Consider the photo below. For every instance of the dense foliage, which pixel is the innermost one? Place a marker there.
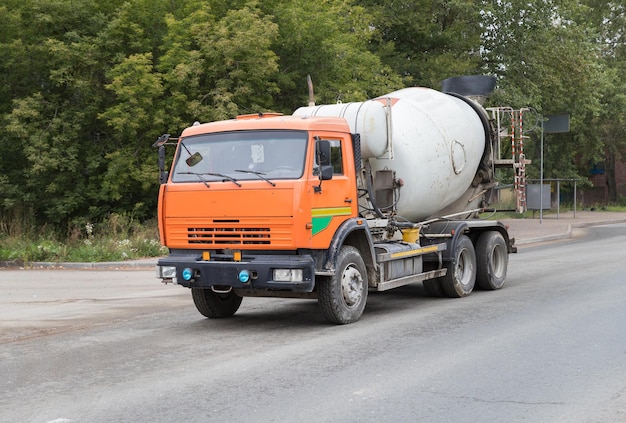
(88, 85)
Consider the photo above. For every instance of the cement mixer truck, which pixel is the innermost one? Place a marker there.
(335, 201)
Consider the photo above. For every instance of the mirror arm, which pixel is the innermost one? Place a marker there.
(318, 158)
(162, 173)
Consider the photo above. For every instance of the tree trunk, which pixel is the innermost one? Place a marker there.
(611, 183)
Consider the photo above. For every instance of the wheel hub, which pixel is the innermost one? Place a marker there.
(463, 268)
(351, 286)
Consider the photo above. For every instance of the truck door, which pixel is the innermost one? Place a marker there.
(334, 199)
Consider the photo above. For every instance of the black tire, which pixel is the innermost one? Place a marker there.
(342, 297)
(433, 288)
(213, 305)
(492, 260)
(461, 276)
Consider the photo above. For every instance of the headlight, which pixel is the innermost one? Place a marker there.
(288, 275)
(166, 272)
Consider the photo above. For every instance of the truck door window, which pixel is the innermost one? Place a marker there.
(336, 158)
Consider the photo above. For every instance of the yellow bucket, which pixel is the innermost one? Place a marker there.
(411, 235)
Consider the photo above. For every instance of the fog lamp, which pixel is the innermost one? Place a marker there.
(244, 276)
(187, 274)
(288, 275)
(166, 272)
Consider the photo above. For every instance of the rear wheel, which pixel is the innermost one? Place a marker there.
(214, 305)
(342, 297)
(460, 279)
(492, 260)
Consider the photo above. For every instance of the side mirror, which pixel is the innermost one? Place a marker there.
(326, 172)
(322, 152)
(322, 157)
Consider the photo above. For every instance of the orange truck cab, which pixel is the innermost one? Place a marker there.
(258, 206)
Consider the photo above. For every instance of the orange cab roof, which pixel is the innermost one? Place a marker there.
(304, 123)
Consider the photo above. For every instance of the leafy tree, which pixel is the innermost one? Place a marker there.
(426, 41)
(217, 67)
(130, 173)
(51, 114)
(330, 41)
(543, 58)
(131, 113)
(609, 20)
(61, 52)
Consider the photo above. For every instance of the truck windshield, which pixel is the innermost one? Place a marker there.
(241, 155)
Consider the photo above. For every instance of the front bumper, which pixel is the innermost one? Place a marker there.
(224, 274)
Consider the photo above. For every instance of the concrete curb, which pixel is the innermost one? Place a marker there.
(547, 238)
(568, 233)
(113, 265)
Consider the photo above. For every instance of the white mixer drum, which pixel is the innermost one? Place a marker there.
(437, 141)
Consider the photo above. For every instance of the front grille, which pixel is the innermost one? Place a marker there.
(245, 233)
(229, 236)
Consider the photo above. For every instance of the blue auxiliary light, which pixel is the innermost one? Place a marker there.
(244, 276)
(187, 274)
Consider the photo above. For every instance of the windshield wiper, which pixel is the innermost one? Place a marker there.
(199, 175)
(259, 174)
(226, 177)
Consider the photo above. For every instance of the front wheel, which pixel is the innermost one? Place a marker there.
(214, 305)
(492, 259)
(342, 297)
(460, 279)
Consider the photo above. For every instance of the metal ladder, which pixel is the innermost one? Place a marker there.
(515, 133)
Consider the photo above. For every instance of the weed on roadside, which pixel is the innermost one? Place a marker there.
(117, 239)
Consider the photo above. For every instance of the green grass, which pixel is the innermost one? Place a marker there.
(117, 239)
(609, 208)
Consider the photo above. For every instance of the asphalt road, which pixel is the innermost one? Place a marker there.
(104, 346)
